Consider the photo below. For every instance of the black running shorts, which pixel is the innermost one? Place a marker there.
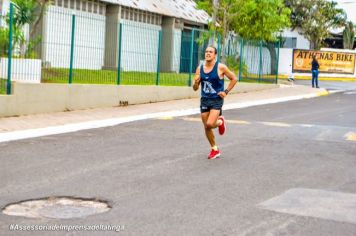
(206, 104)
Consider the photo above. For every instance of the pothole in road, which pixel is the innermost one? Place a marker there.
(57, 208)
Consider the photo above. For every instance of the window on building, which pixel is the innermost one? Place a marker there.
(78, 5)
(140, 16)
(289, 42)
(93, 6)
(135, 15)
(96, 8)
(66, 3)
(84, 5)
(140, 19)
(102, 10)
(72, 2)
(89, 5)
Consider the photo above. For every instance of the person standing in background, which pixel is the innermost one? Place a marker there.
(315, 72)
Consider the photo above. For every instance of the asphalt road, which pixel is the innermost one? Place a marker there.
(157, 178)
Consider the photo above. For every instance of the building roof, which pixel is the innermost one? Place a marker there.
(181, 9)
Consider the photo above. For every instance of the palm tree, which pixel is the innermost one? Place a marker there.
(349, 35)
(27, 12)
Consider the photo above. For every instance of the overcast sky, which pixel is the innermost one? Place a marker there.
(350, 8)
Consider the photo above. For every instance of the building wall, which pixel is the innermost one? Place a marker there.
(89, 44)
(285, 61)
(139, 39)
(139, 46)
(177, 38)
(286, 54)
(113, 16)
(171, 45)
(302, 42)
(90, 6)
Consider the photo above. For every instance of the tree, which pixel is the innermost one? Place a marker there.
(315, 18)
(349, 35)
(27, 12)
(262, 20)
(41, 10)
(251, 19)
(223, 12)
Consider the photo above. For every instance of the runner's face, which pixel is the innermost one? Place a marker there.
(210, 54)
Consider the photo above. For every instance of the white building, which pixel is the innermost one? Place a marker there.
(294, 39)
(291, 39)
(97, 33)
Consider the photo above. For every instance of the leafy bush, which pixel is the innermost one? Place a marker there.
(4, 41)
(233, 62)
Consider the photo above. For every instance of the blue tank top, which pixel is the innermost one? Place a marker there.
(211, 82)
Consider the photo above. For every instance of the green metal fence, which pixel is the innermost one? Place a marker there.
(3, 52)
(94, 49)
(6, 35)
(258, 60)
(131, 53)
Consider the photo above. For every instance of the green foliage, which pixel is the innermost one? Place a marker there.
(349, 35)
(4, 41)
(204, 37)
(2, 86)
(233, 63)
(25, 13)
(30, 52)
(221, 23)
(206, 5)
(251, 19)
(315, 18)
(260, 19)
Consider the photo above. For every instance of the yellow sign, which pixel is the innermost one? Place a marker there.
(329, 62)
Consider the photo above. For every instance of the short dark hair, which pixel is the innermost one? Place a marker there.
(215, 50)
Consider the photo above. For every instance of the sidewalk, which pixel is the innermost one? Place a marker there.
(14, 128)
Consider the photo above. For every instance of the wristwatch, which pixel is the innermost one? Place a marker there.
(226, 91)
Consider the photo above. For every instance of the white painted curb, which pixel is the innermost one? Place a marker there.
(33, 133)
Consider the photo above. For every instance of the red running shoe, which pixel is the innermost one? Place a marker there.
(222, 127)
(214, 154)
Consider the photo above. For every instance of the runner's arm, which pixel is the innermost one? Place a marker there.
(196, 79)
(230, 75)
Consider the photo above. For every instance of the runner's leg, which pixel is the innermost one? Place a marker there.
(208, 131)
(210, 121)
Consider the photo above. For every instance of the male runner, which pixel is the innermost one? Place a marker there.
(211, 75)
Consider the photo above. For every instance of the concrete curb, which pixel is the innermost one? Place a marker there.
(68, 128)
